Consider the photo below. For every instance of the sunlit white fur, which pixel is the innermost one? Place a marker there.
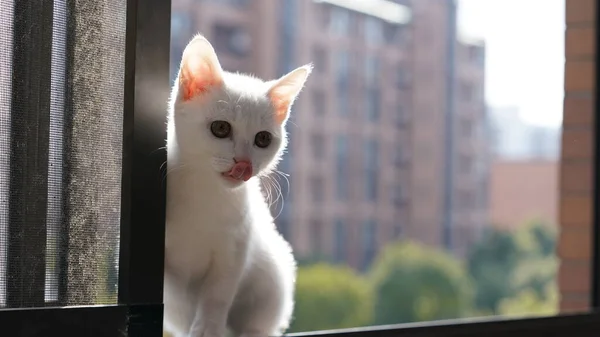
(226, 264)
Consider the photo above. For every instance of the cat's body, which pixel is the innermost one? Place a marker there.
(226, 265)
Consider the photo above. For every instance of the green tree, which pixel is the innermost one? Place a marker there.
(492, 262)
(537, 239)
(417, 283)
(331, 297)
(529, 303)
(538, 264)
(513, 266)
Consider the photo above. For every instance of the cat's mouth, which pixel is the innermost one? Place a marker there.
(241, 171)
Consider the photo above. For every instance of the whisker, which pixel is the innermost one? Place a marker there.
(267, 189)
(171, 170)
(160, 148)
(287, 181)
(279, 192)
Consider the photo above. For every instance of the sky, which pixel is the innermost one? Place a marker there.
(525, 54)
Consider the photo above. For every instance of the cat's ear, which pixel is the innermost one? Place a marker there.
(285, 90)
(200, 69)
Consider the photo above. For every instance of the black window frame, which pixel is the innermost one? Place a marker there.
(139, 310)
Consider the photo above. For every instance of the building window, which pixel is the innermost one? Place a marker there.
(288, 35)
(341, 172)
(373, 94)
(342, 82)
(476, 55)
(181, 23)
(317, 142)
(395, 34)
(339, 23)
(318, 98)
(372, 66)
(468, 92)
(340, 241)
(402, 79)
(373, 31)
(373, 101)
(369, 243)
(398, 158)
(390, 31)
(316, 235)
(316, 188)
(398, 197)
(466, 199)
(465, 164)
(397, 231)
(320, 59)
(230, 39)
(466, 127)
(371, 166)
(401, 115)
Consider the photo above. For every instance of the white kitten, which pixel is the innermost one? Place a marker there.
(226, 265)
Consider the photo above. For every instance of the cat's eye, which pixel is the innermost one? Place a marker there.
(220, 129)
(263, 139)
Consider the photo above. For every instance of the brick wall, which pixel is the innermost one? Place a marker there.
(576, 182)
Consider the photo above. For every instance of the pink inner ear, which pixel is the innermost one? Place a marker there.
(281, 105)
(197, 76)
(197, 81)
(281, 97)
(283, 93)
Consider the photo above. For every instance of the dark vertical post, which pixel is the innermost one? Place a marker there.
(146, 94)
(29, 135)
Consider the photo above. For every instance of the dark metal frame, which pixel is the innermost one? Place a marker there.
(139, 312)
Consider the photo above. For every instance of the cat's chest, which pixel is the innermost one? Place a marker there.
(197, 234)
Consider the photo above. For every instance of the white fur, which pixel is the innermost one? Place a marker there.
(226, 265)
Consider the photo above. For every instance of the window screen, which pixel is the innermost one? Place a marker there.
(61, 112)
(5, 79)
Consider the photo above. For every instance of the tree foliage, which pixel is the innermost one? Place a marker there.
(331, 297)
(529, 303)
(417, 283)
(536, 239)
(538, 262)
(507, 266)
(491, 262)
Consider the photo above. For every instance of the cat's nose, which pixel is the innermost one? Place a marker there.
(242, 159)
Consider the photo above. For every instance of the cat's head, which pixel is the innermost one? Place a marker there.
(232, 123)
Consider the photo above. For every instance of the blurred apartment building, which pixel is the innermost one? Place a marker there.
(524, 182)
(387, 138)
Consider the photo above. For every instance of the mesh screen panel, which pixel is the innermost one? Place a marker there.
(54, 218)
(93, 133)
(60, 162)
(5, 84)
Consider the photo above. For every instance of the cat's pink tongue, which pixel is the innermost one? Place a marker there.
(242, 170)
